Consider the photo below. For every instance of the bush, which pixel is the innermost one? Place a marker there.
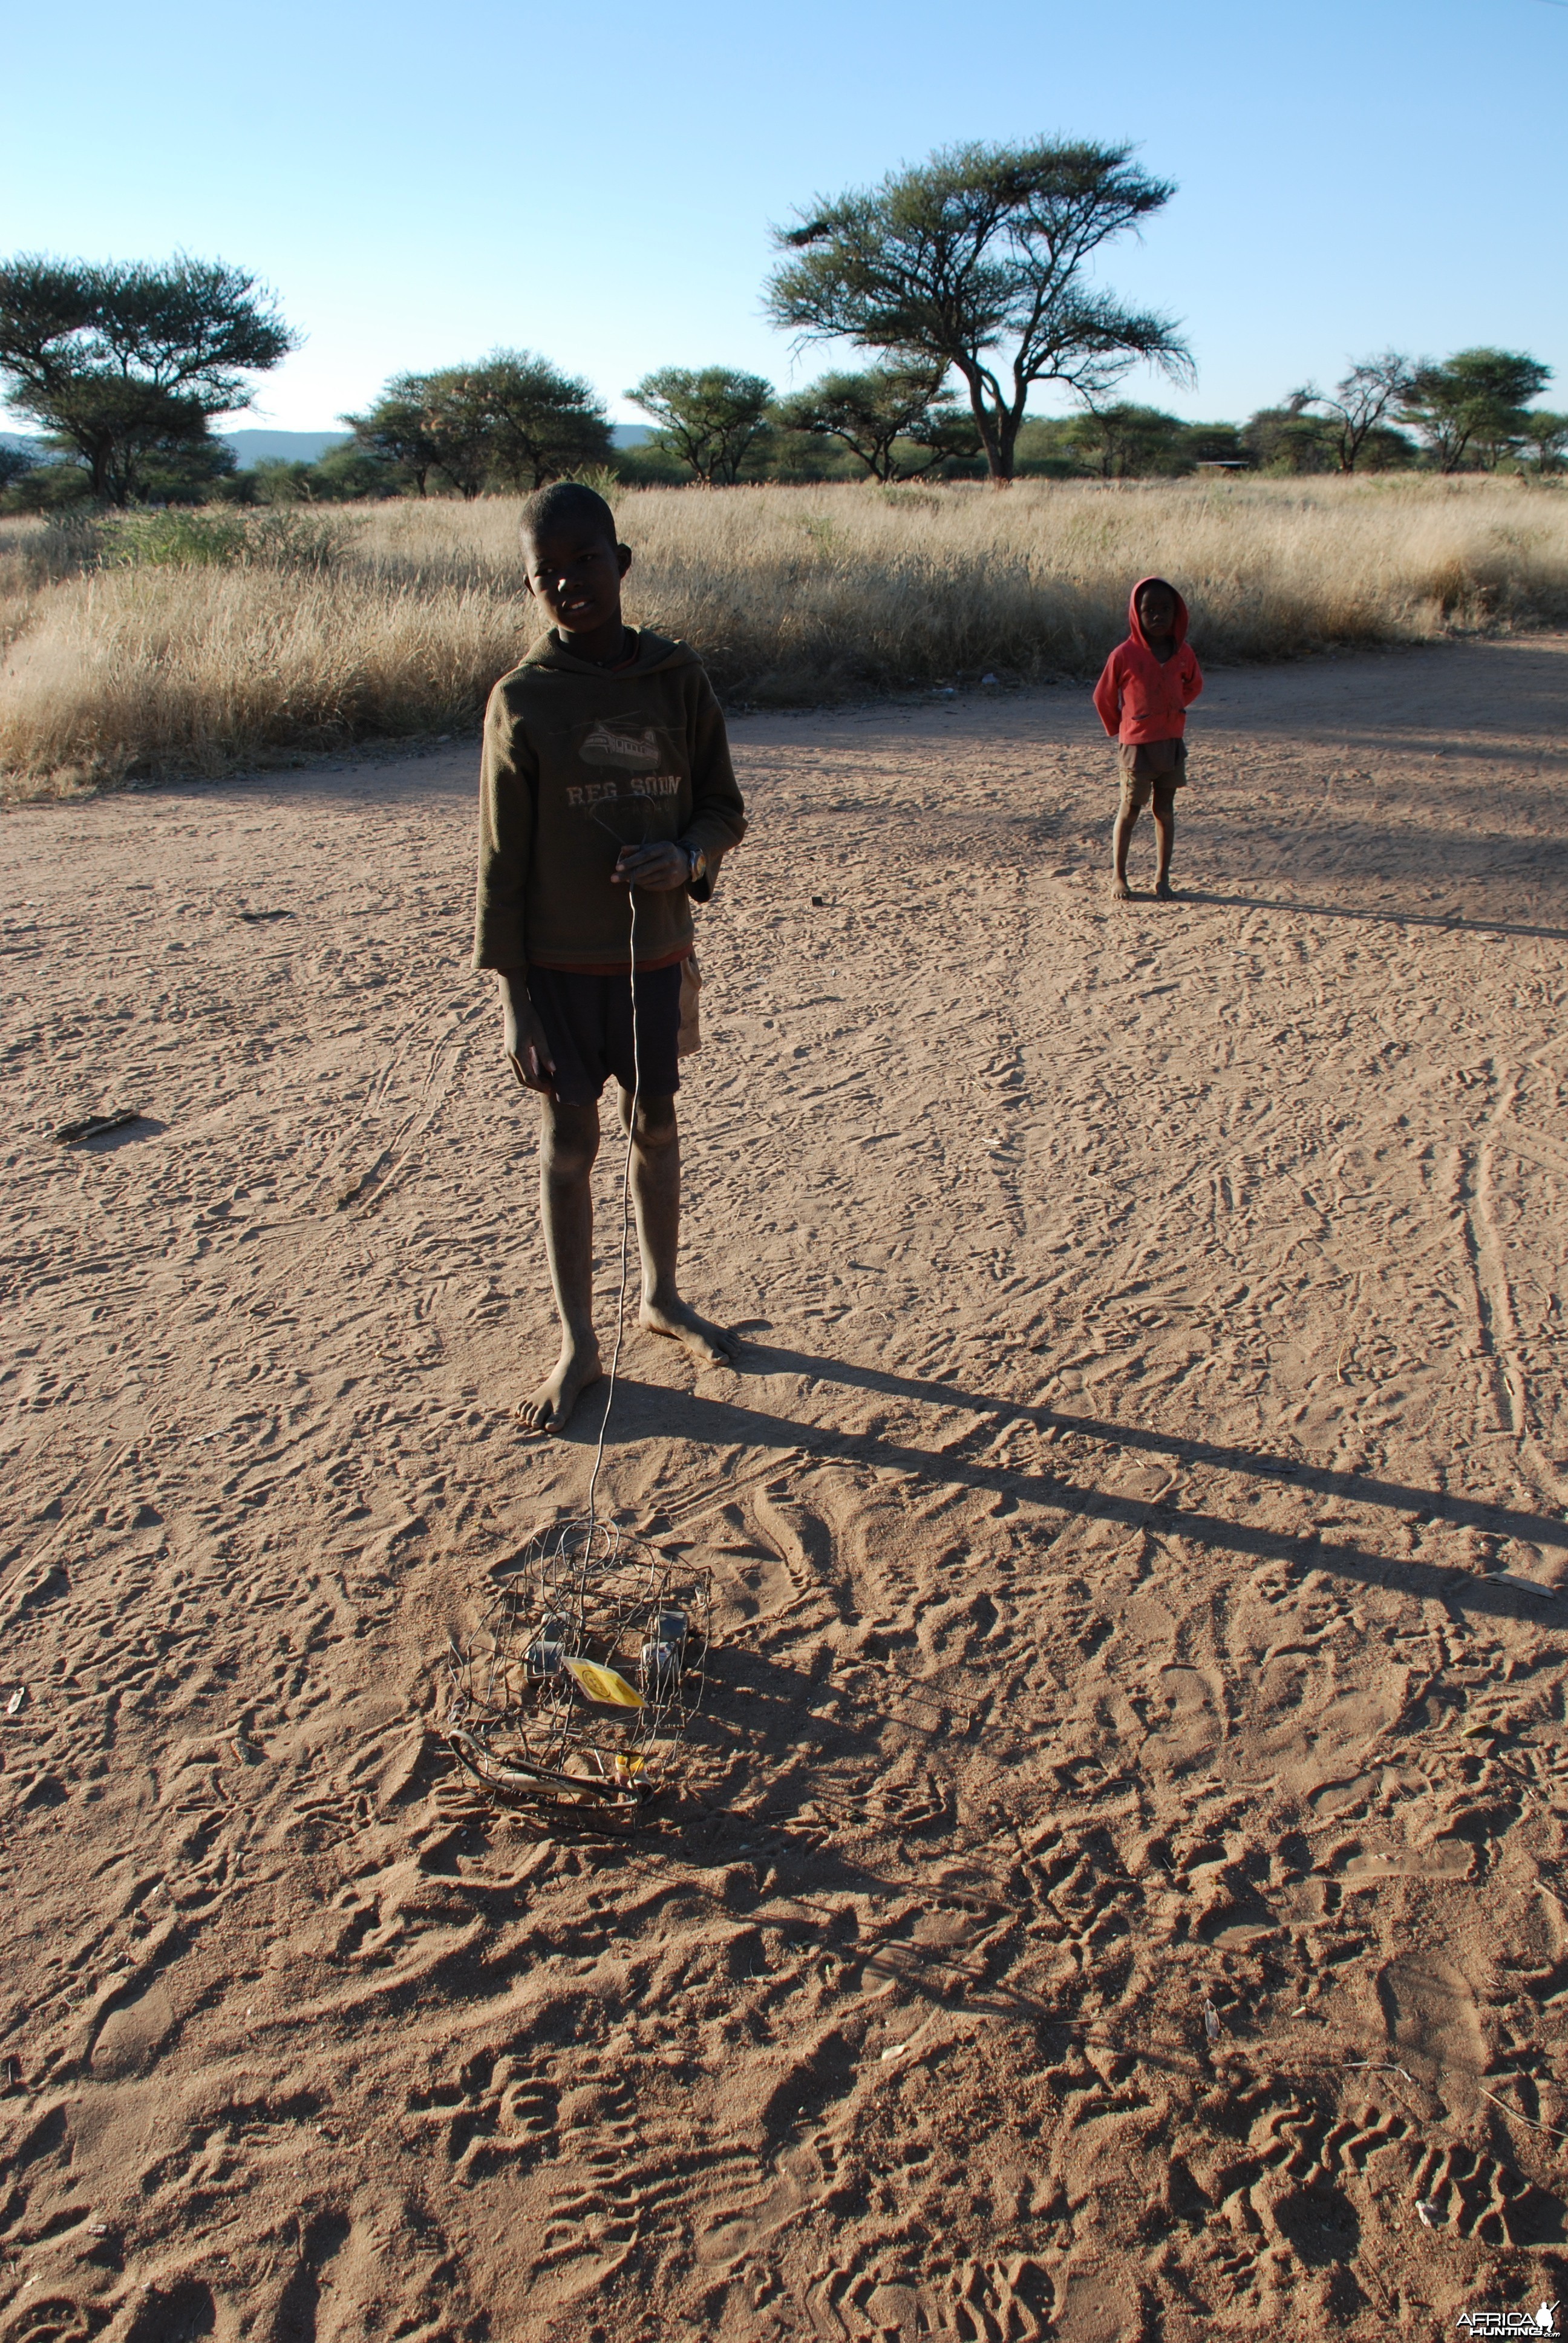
(353, 475)
(218, 538)
(48, 489)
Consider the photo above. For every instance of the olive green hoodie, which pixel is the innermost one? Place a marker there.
(578, 762)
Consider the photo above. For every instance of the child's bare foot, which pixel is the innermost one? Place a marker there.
(706, 1342)
(1122, 891)
(1163, 891)
(551, 1405)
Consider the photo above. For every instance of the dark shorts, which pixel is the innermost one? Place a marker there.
(1141, 781)
(587, 1024)
(1156, 788)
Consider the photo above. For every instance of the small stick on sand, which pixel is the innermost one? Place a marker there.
(94, 1126)
(1548, 2129)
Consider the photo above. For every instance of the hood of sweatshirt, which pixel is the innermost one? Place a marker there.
(1134, 625)
(653, 652)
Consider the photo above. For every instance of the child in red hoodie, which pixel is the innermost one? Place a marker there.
(1149, 683)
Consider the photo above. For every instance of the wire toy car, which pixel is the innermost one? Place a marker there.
(586, 1670)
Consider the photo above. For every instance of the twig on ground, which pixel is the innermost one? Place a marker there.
(1550, 2129)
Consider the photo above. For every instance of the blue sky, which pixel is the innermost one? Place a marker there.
(422, 185)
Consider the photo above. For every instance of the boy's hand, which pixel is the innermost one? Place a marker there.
(662, 865)
(523, 1035)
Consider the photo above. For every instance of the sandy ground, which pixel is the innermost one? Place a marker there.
(1154, 1362)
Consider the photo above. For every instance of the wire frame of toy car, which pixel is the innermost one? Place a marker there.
(587, 1668)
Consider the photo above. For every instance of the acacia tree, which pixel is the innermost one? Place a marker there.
(512, 421)
(711, 417)
(1287, 439)
(1128, 442)
(118, 361)
(874, 411)
(397, 428)
(1477, 397)
(461, 428)
(540, 422)
(1358, 404)
(976, 260)
(1547, 434)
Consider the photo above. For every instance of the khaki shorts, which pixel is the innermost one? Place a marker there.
(1143, 789)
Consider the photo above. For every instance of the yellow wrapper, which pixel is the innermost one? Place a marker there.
(603, 1685)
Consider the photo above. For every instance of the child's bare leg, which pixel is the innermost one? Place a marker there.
(1165, 838)
(568, 1141)
(1121, 838)
(656, 1199)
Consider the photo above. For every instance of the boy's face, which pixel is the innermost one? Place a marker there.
(1157, 610)
(576, 572)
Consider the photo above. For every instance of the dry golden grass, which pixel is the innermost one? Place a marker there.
(271, 634)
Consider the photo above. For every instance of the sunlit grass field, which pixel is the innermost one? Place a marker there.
(190, 642)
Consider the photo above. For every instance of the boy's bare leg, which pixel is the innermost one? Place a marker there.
(656, 1199)
(1165, 838)
(568, 1141)
(1121, 838)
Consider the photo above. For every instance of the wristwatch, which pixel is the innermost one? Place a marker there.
(699, 862)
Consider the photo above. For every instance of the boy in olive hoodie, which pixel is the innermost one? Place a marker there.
(1142, 697)
(607, 802)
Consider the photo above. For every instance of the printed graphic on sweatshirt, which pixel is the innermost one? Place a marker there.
(619, 746)
(592, 793)
(634, 757)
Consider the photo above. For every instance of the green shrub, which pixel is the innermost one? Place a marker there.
(222, 538)
(176, 539)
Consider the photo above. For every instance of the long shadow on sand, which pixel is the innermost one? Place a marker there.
(646, 1411)
(1386, 916)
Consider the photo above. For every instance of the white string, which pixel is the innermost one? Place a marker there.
(624, 1233)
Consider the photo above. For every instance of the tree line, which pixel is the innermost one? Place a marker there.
(963, 281)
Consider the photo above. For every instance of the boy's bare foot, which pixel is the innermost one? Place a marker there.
(706, 1342)
(1122, 891)
(551, 1405)
(1163, 891)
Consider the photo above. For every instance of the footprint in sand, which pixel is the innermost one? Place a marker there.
(129, 2039)
(1185, 1722)
(800, 2180)
(1433, 2021)
(296, 2314)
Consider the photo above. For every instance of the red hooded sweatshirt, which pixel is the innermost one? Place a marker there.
(1140, 698)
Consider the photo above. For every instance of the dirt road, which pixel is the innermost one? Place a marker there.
(1152, 1407)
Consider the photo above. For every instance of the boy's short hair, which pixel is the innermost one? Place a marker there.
(561, 504)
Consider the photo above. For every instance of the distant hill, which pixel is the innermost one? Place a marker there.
(252, 448)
